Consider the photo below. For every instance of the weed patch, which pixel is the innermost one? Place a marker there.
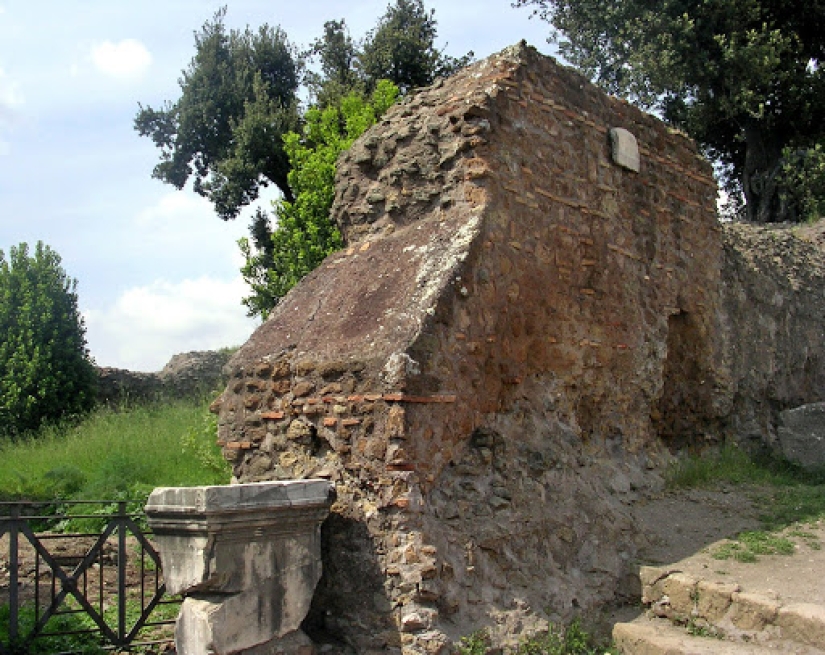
(558, 640)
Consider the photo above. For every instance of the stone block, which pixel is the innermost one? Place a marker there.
(247, 557)
(803, 622)
(624, 149)
(802, 435)
(752, 611)
(714, 599)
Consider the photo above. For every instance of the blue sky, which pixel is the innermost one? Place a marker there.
(157, 271)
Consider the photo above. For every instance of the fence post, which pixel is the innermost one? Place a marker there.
(121, 572)
(13, 575)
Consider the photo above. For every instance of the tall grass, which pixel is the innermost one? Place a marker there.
(115, 453)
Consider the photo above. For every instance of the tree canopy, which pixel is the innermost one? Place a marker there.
(401, 48)
(743, 77)
(238, 126)
(238, 99)
(46, 372)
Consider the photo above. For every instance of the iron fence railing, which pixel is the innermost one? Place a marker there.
(78, 570)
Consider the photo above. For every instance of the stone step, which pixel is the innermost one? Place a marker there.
(724, 607)
(652, 636)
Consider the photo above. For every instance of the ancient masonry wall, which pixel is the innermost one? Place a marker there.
(773, 292)
(482, 371)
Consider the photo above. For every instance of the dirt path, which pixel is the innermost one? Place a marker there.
(686, 527)
(680, 523)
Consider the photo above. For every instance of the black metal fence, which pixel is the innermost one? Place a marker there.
(80, 575)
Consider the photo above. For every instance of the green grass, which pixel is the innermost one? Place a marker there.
(750, 545)
(116, 454)
(788, 497)
(86, 638)
(86, 643)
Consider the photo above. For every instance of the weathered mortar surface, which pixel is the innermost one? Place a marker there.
(481, 371)
(774, 309)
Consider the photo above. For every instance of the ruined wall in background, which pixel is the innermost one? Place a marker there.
(484, 371)
(774, 325)
(185, 375)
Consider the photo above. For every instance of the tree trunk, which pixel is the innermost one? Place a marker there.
(760, 183)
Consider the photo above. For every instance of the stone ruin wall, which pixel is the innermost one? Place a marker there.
(185, 375)
(491, 369)
(773, 298)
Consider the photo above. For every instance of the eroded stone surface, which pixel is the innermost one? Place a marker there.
(802, 435)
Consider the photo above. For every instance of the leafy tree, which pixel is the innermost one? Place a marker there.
(338, 57)
(742, 77)
(305, 235)
(46, 372)
(402, 49)
(238, 99)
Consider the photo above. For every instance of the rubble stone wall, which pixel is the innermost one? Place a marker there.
(185, 375)
(773, 294)
(482, 371)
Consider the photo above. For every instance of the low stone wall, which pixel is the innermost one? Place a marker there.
(185, 375)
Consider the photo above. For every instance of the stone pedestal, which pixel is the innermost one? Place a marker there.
(247, 558)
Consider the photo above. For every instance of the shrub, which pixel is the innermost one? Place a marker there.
(46, 373)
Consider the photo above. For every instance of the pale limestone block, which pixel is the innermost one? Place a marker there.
(803, 622)
(714, 599)
(752, 611)
(680, 588)
(625, 150)
(248, 558)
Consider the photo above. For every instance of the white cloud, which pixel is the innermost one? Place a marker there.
(148, 324)
(11, 99)
(175, 210)
(180, 231)
(127, 59)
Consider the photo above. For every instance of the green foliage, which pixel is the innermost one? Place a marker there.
(475, 644)
(120, 455)
(84, 638)
(569, 640)
(305, 235)
(86, 643)
(338, 56)
(749, 545)
(785, 494)
(729, 464)
(238, 99)
(743, 77)
(733, 465)
(402, 49)
(46, 373)
(803, 180)
(200, 443)
(558, 640)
